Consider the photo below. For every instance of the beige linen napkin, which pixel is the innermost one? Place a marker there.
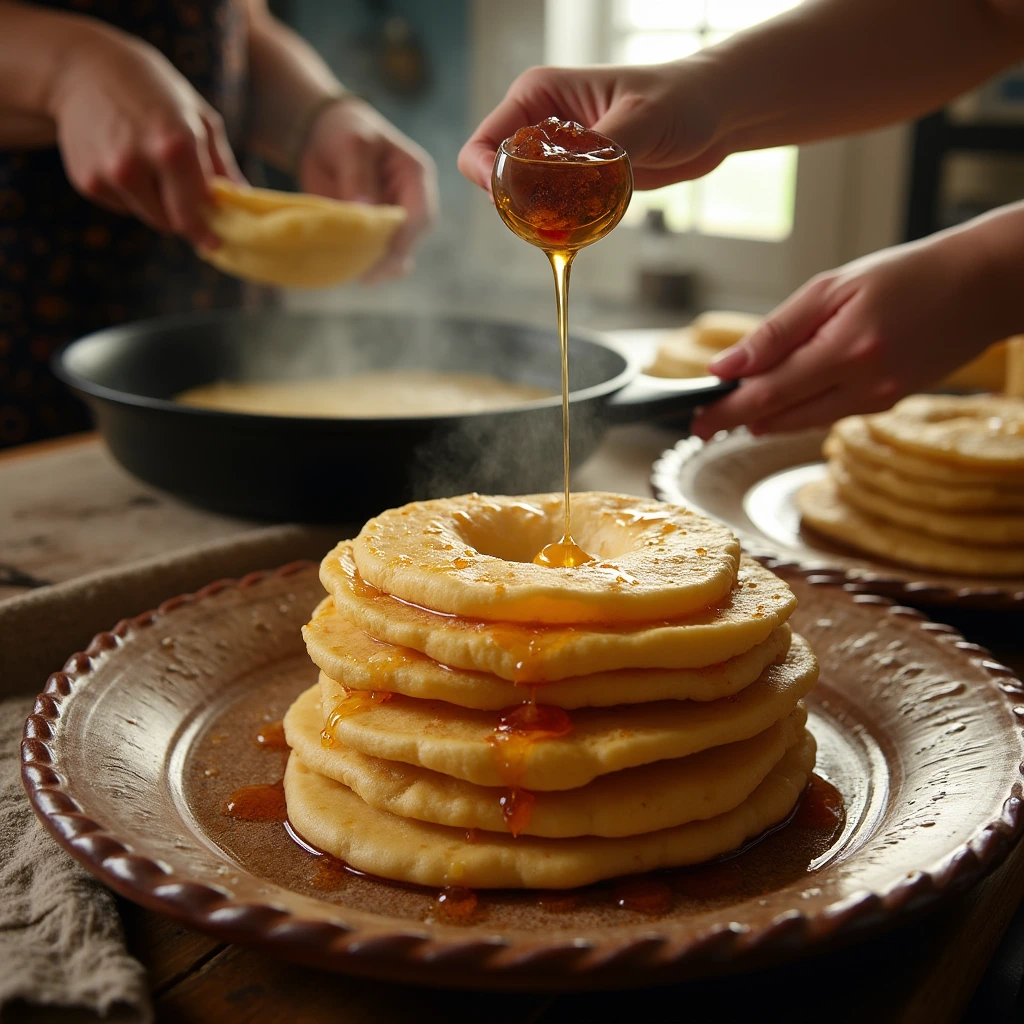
(61, 942)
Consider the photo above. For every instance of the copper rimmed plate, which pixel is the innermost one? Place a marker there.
(134, 746)
(750, 484)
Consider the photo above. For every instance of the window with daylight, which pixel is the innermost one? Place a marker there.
(750, 195)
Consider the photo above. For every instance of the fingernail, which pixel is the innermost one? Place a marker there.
(731, 363)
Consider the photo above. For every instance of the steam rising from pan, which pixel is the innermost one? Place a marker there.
(320, 469)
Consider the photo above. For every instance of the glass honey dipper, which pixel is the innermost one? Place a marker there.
(560, 187)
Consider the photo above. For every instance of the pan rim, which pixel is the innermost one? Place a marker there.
(102, 392)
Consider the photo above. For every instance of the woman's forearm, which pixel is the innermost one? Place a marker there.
(36, 45)
(288, 80)
(995, 243)
(36, 48)
(832, 67)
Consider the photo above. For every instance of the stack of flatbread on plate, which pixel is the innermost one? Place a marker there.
(936, 483)
(484, 721)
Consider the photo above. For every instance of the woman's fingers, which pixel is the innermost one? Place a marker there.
(407, 178)
(104, 195)
(533, 96)
(416, 190)
(662, 115)
(222, 159)
(476, 158)
(844, 355)
(886, 325)
(823, 410)
(783, 331)
(356, 172)
(135, 136)
(584, 96)
(816, 411)
(139, 190)
(811, 370)
(184, 166)
(354, 154)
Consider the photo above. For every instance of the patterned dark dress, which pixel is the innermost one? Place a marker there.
(67, 266)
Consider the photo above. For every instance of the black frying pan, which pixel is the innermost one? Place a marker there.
(293, 468)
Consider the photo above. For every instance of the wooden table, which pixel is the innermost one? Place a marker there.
(925, 972)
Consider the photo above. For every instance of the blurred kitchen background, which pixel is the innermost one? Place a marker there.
(743, 237)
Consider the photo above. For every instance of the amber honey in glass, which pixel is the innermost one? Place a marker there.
(561, 187)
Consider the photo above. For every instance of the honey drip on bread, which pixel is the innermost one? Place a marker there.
(353, 702)
(517, 730)
(561, 187)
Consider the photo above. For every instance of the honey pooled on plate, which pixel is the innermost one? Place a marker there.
(560, 186)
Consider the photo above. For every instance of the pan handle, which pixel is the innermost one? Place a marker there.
(656, 398)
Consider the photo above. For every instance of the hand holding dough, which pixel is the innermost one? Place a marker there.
(296, 240)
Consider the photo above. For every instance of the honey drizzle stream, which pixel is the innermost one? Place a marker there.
(561, 187)
(565, 553)
(561, 267)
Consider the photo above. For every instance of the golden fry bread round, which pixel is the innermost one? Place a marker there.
(629, 802)
(980, 431)
(759, 603)
(678, 355)
(823, 509)
(855, 437)
(966, 497)
(462, 743)
(473, 556)
(296, 240)
(687, 351)
(718, 329)
(359, 662)
(985, 529)
(331, 817)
